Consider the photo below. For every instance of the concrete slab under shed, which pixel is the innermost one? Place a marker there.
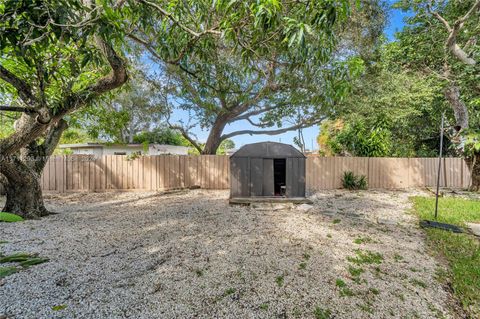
(272, 200)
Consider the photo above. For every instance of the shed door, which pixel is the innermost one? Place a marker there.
(256, 177)
(268, 180)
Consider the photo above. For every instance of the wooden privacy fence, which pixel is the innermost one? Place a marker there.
(118, 173)
(387, 173)
(115, 172)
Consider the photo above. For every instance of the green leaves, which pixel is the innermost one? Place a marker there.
(8, 217)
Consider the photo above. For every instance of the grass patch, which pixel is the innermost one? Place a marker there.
(329, 235)
(367, 307)
(462, 251)
(340, 283)
(337, 221)
(344, 290)
(354, 271)
(10, 218)
(365, 257)
(279, 280)
(397, 257)
(321, 313)
(362, 240)
(302, 266)
(306, 256)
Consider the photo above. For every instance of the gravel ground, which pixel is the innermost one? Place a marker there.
(189, 254)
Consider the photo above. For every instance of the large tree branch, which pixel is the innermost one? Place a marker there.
(23, 89)
(53, 136)
(272, 132)
(31, 130)
(17, 109)
(185, 135)
(246, 116)
(41, 152)
(118, 74)
(453, 32)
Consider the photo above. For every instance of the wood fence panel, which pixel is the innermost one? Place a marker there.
(116, 172)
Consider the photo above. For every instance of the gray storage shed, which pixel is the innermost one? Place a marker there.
(267, 169)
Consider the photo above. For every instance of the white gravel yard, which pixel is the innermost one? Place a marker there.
(189, 254)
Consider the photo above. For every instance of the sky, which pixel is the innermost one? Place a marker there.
(310, 134)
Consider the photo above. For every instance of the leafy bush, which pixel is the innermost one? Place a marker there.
(8, 217)
(352, 181)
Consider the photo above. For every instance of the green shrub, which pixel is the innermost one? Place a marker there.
(8, 217)
(351, 181)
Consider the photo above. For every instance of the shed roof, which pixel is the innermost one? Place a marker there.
(268, 150)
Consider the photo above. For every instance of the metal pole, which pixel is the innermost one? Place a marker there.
(439, 166)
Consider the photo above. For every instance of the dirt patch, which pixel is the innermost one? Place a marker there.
(189, 254)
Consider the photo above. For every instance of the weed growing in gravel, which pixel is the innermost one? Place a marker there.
(306, 256)
(344, 290)
(367, 307)
(374, 291)
(279, 280)
(59, 307)
(264, 306)
(336, 221)
(354, 271)
(418, 283)
(340, 283)
(199, 272)
(321, 313)
(362, 240)
(400, 296)
(365, 257)
(398, 257)
(329, 235)
(302, 266)
(229, 291)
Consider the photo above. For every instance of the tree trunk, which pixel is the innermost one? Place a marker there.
(215, 137)
(452, 94)
(474, 167)
(22, 174)
(24, 194)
